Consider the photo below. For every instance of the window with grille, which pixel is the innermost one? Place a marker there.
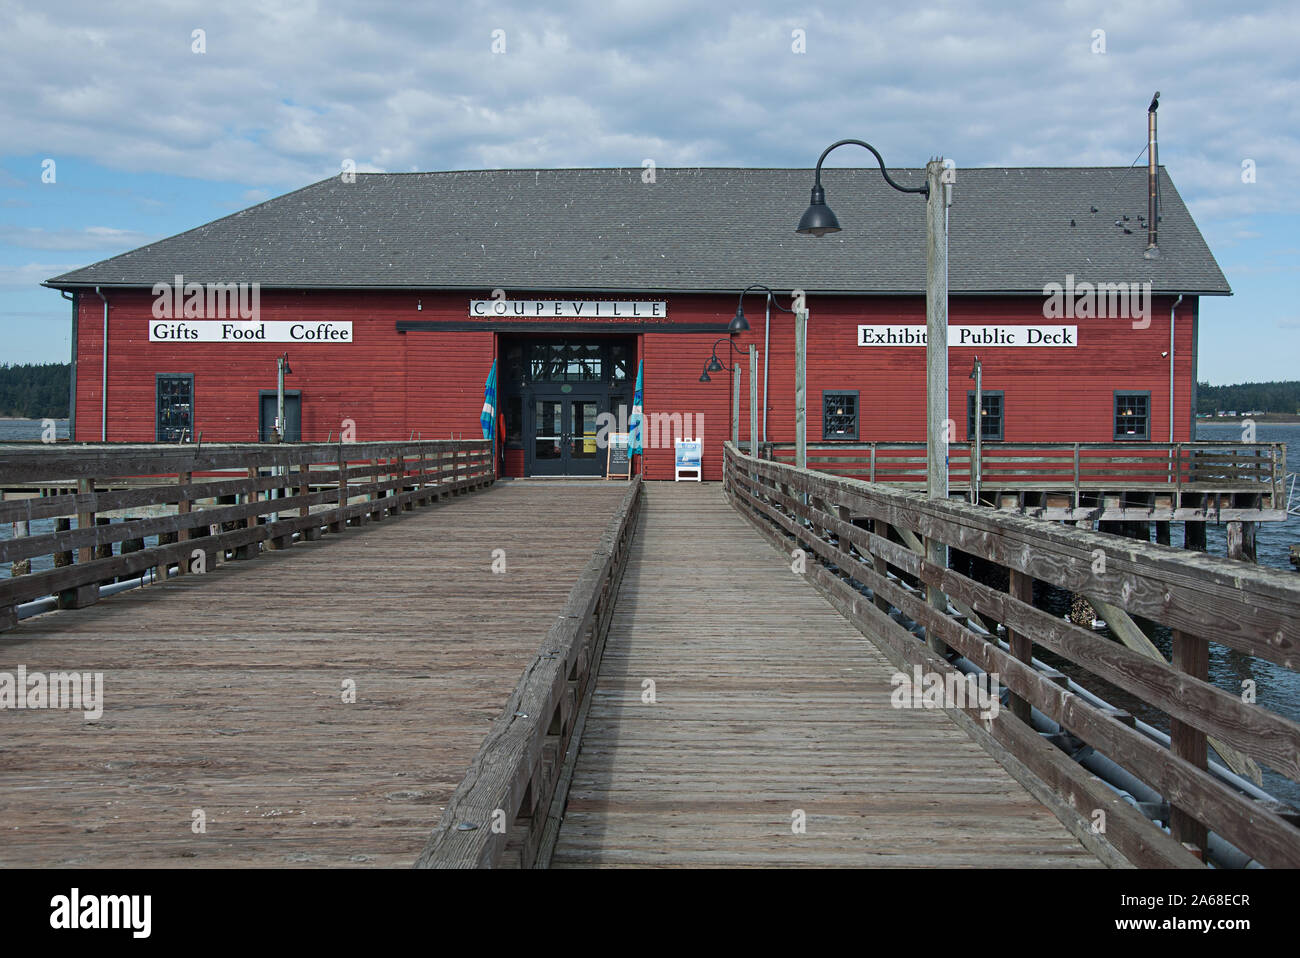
(1133, 415)
(839, 415)
(991, 415)
(175, 406)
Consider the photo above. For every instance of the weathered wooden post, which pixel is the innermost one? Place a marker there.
(312, 532)
(1236, 541)
(936, 368)
(1191, 655)
(375, 495)
(1020, 586)
(88, 593)
(249, 550)
(880, 528)
(340, 523)
(185, 534)
(62, 559)
(103, 550)
(21, 529)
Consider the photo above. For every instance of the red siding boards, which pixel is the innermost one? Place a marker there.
(393, 383)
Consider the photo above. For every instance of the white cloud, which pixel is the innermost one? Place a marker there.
(31, 275)
(88, 238)
(283, 96)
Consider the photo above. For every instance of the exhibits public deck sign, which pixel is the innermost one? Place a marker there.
(241, 331)
(568, 308)
(915, 335)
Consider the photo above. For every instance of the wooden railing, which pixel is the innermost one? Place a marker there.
(202, 502)
(868, 545)
(1187, 467)
(506, 811)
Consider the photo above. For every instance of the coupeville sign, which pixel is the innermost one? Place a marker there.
(567, 308)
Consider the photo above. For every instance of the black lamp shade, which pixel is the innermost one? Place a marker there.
(818, 219)
(714, 365)
(704, 377)
(739, 323)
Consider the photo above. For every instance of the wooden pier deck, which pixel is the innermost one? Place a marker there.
(223, 691)
(769, 703)
(504, 718)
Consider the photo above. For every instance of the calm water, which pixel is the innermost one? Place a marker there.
(1278, 689)
(17, 429)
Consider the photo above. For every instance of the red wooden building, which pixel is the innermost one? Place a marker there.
(392, 296)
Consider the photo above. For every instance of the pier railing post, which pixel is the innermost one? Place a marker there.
(183, 508)
(1191, 655)
(1020, 586)
(340, 522)
(87, 594)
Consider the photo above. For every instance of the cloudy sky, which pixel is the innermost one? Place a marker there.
(149, 137)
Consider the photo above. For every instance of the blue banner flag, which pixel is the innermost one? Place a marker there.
(634, 424)
(489, 417)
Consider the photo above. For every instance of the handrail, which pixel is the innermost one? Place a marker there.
(1194, 467)
(866, 539)
(202, 502)
(504, 804)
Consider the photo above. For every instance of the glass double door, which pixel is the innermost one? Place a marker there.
(563, 436)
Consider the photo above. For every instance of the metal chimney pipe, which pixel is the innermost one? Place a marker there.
(1153, 173)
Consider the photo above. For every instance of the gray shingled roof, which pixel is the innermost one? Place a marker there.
(691, 230)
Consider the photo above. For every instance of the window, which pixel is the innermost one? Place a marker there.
(174, 406)
(562, 362)
(840, 415)
(1133, 415)
(620, 365)
(990, 415)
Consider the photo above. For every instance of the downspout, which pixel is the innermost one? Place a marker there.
(103, 395)
(72, 377)
(1172, 310)
(767, 330)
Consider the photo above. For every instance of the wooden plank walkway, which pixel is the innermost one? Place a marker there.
(768, 702)
(223, 691)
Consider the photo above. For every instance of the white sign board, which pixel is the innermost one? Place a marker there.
(915, 335)
(243, 331)
(687, 459)
(565, 308)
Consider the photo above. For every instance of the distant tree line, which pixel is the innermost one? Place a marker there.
(35, 390)
(1278, 397)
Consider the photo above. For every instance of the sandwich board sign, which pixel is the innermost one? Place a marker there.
(618, 463)
(687, 460)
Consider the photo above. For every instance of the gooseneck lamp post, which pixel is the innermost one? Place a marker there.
(819, 220)
(769, 301)
(976, 466)
(715, 365)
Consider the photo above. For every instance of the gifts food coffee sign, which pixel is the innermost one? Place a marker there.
(915, 335)
(237, 331)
